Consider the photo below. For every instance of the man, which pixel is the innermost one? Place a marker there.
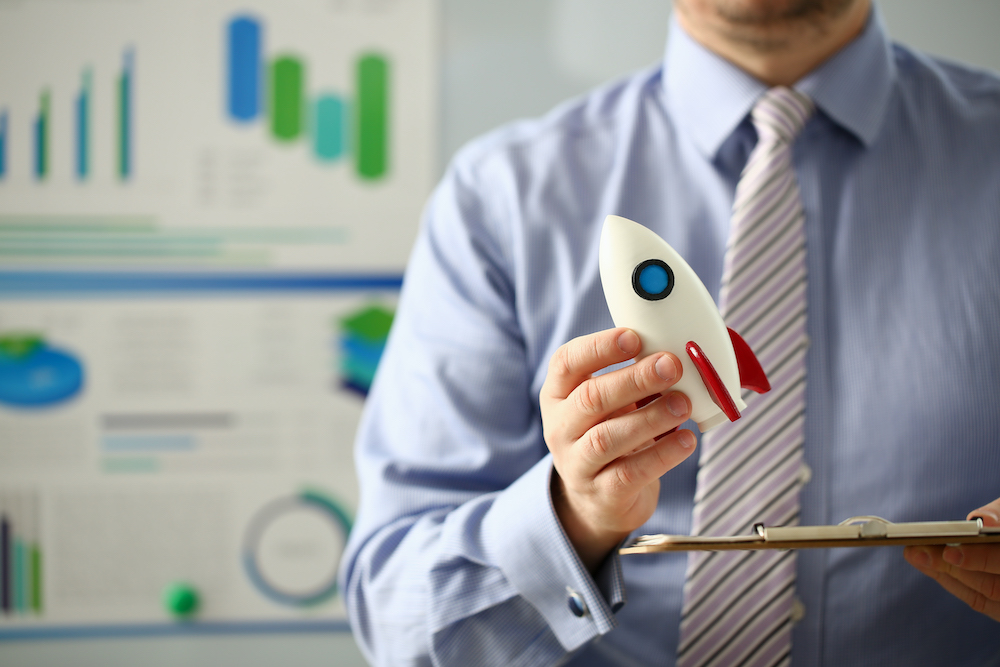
(499, 473)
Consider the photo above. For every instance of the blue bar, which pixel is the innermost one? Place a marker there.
(30, 283)
(3, 143)
(244, 68)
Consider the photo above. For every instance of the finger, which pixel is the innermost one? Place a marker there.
(598, 398)
(975, 599)
(629, 433)
(980, 590)
(638, 469)
(974, 557)
(575, 361)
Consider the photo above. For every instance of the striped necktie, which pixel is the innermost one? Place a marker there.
(738, 604)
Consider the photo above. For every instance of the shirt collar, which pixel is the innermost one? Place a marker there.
(709, 96)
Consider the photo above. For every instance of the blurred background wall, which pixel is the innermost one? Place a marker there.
(492, 62)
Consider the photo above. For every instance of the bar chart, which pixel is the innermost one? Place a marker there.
(205, 210)
(82, 146)
(20, 555)
(276, 89)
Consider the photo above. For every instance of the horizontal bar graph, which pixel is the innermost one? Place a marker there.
(20, 556)
(334, 126)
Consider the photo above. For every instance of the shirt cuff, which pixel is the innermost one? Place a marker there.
(524, 538)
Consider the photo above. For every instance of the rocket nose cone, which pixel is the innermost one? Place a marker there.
(617, 234)
(615, 228)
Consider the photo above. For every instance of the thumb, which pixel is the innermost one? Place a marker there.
(990, 514)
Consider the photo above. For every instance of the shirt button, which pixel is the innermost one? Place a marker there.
(805, 474)
(576, 603)
(798, 610)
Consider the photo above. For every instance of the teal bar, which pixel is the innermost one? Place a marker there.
(83, 128)
(3, 142)
(328, 127)
(42, 137)
(20, 576)
(35, 553)
(125, 121)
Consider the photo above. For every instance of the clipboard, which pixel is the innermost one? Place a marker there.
(858, 531)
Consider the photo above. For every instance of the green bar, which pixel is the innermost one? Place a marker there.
(36, 578)
(372, 116)
(371, 324)
(287, 103)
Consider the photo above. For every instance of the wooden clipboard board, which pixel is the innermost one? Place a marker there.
(861, 531)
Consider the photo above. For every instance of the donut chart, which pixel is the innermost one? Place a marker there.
(292, 548)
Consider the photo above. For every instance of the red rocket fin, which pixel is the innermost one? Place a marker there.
(751, 374)
(716, 389)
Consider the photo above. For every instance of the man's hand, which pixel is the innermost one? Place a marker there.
(607, 454)
(970, 572)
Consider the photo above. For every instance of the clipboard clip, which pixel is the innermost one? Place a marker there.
(857, 531)
(873, 527)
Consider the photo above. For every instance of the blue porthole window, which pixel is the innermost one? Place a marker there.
(653, 280)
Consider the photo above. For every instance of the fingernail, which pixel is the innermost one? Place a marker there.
(687, 439)
(920, 557)
(628, 342)
(988, 516)
(677, 404)
(953, 555)
(666, 368)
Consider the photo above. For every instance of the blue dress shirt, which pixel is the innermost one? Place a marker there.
(457, 556)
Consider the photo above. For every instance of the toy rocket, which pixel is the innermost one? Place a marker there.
(652, 290)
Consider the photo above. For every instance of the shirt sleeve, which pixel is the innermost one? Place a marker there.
(457, 556)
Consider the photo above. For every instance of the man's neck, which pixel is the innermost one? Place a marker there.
(777, 54)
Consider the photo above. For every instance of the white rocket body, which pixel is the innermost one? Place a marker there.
(688, 313)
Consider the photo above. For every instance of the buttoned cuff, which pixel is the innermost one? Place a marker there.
(524, 538)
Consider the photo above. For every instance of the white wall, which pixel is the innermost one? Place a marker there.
(504, 60)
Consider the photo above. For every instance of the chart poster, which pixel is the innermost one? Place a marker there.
(287, 134)
(205, 211)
